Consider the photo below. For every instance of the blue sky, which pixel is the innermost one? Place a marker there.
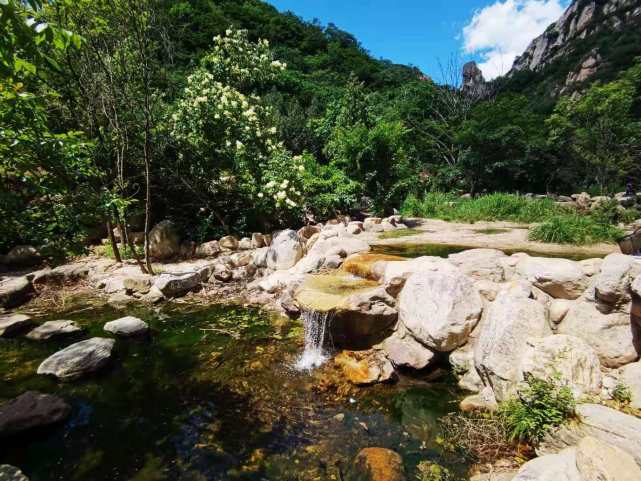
(424, 32)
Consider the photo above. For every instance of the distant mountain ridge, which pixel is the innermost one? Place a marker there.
(593, 39)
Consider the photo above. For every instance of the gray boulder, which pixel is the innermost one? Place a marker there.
(13, 324)
(553, 467)
(508, 323)
(613, 336)
(560, 278)
(440, 308)
(599, 461)
(23, 256)
(79, 359)
(601, 422)
(612, 284)
(31, 410)
(173, 285)
(164, 240)
(208, 249)
(405, 351)
(127, 326)
(480, 264)
(285, 251)
(228, 243)
(15, 291)
(51, 329)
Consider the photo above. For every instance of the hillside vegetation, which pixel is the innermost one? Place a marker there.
(228, 116)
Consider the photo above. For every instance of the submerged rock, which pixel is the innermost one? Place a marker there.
(13, 324)
(31, 410)
(127, 326)
(11, 473)
(379, 464)
(365, 367)
(51, 329)
(79, 359)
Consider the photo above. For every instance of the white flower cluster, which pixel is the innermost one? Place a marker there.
(284, 189)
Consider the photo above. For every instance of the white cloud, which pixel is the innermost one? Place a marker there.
(502, 31)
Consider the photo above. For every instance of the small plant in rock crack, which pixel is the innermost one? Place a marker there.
(622, 394)
(542, 404)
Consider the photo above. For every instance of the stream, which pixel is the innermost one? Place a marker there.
(214, 394)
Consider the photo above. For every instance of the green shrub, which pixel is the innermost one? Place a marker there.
(429, 471)
(610, 212)
(540, 406)
(622, 394)
(574, 229)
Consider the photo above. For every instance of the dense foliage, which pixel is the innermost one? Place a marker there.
(228, 116)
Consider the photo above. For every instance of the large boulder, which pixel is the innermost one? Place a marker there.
(404, 351)
(79, 359)
(172, 285)
(560, 278)
(440, 308)
(208, 249)
(164, 240)
(285, 251)
(480, 263)
(599, 461)
(402, 270)
(31, 410)
(553, 467)
(15, 291)
(364, 368)
(11, 473)
(127, 326)
(51, 329)
(379, 464)
(613, 336)
(508, 323)
(603, 423)
(13, 324)
(612, 284)
(568, 359)
(630, 377)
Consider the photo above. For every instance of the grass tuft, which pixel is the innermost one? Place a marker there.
(574, 229)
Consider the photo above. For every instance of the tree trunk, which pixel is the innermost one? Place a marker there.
(114, 244)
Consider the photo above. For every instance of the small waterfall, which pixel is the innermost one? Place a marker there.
(314, 355)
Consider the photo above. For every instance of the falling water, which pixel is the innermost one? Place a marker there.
(314, 355)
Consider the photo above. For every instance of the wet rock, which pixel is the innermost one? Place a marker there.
(440, 308)
(365, 367)
(553, 467)
(285, 251)
(13, 324)
(599, 461)
(508, 323)
(31, 410)
(613, 282)
(228, 243)
(15, 291)
(127, 326)
(568, 359)
(208, 249)
(23, 256)
(560, 278)
(379, 464)
(480, 264)
(405, 351)
(172, 285)
(51, 329)
(603, 423)
(79, 359)
(612, 335)
(164, 241)
(11, 473)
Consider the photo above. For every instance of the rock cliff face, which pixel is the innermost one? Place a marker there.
(590, 34)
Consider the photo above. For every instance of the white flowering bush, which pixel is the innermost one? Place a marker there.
(225, 134)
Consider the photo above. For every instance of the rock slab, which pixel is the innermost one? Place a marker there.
(51, 329)
(13, 324)
(31, 410)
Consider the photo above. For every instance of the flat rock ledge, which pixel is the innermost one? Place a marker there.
(79, 359)
(52, 329)
(31, 410)
(127, 326)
